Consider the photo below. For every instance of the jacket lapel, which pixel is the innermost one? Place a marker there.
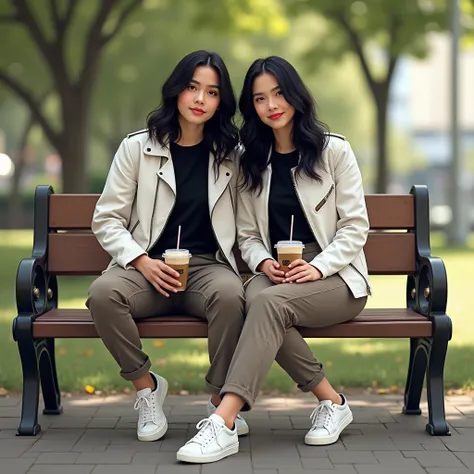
(262, 202)
(217, 187)
(165, 171)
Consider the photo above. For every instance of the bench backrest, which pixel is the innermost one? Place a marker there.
(74, 250)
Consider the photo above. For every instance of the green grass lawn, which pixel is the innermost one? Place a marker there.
(377, 363)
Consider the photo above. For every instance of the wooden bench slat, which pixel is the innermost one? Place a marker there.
(80, 254)
(386, 322)
(368, 314)
(386, 211)
(390, 253)
(60, 215)
(391, 211)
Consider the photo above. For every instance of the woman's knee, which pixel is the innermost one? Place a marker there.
(265, 298)
(250, 297)
(102, 295)
(229, 297)
(267, 304)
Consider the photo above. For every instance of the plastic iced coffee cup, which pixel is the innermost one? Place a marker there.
(178, 259)
(288, 251)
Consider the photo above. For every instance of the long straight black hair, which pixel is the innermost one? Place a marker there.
(309, 134)
(220, 132)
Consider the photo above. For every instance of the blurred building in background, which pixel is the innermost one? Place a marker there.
(420, 107)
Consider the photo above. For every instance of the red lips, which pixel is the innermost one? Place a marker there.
(197, 111)
(276, 116)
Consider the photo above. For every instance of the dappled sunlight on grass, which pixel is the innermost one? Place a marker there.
(365, 346)
(73, 303)
(7, 315)
(198, 359)
(439, 243)
(17, 239)
(99, 380)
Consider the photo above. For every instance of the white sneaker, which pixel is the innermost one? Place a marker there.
(213, 442)
(240, 423)
(328, 420)
(152, 423)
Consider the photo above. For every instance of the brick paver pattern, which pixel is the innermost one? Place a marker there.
(96, 435)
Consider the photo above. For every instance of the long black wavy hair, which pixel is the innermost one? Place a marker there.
(309, 134)
(220, 132)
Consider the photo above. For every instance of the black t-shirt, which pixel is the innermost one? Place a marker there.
(191, 210)
(283, 202)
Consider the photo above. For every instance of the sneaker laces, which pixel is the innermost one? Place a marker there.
(323, 417)
(208, 431)
(145, 405)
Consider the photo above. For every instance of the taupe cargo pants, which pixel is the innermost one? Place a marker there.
(269, 331)
(214, 292)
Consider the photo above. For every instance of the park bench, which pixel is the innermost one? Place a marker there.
(398, 244)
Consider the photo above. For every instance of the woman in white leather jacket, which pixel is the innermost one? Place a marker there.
(290, 167)
(180, 171)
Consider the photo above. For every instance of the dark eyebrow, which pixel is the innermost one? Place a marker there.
(261, 93)
(198, 83)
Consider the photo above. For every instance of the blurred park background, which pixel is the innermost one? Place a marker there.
(396, 77)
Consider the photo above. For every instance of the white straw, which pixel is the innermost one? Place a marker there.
(179, 236)
(291, 226)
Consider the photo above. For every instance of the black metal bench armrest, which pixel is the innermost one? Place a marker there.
(432, 285)
(427, 289)
(32, 287)
(36, 290)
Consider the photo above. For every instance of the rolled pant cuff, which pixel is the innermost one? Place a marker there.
(242, 392)
(143, 370)
(309, 387)
(212, 388)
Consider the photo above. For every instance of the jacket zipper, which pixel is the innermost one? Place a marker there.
(153, 216)
(369, 291)
(302, 207)
(268, 243)
(234, 204)
(132, 230)
(214, 232)
(324, 200)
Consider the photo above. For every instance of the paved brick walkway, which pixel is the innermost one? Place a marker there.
(96, 435)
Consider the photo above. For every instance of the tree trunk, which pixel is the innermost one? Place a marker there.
(74, 143)
(74, 176)
(75, 95)
(381, 104)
